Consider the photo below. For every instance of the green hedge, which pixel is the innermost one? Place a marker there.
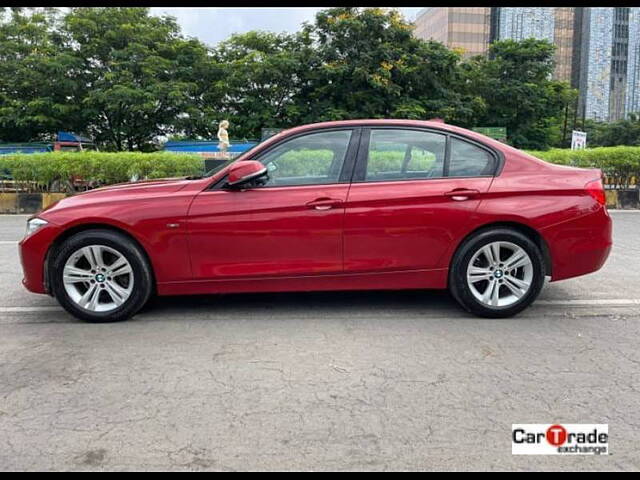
(50, 171)
(620, 165)
(318, 162)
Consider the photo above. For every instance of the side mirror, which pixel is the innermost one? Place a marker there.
(245, 172)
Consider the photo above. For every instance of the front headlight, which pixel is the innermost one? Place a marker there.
(34, 224)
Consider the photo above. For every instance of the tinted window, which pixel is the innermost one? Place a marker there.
(468, 160)
(405, 154)
(312, 159)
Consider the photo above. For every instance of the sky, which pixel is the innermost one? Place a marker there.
(213, 24)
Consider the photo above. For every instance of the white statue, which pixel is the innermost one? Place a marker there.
(223, 137)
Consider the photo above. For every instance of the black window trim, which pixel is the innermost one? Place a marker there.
(348, 165)
(359, 175)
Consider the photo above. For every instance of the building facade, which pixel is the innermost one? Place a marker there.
(563, 38)
(554, 24)
(597, 48)
(595, 63)
(463, 28)
(609, 51)
(632, 103)
(525, 22)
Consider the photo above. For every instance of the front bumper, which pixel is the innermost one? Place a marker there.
(33, 254)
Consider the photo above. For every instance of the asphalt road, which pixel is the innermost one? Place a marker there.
(327, 381)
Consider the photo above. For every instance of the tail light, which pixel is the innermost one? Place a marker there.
(596, 190)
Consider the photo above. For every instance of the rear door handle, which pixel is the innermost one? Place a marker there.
(324, 203)
(461, 194)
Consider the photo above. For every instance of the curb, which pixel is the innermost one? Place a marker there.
(20, 203)
(623, 199)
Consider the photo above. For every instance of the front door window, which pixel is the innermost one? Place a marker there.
(313, 159)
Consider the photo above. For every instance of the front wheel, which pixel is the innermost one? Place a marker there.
(497, 273)
(101, 276)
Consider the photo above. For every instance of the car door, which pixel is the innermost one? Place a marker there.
(412, 194)
(292, 225)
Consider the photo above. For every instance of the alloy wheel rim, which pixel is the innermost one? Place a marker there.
(98, 278)
(500, 274)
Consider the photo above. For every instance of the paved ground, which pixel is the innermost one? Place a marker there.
(331, 381)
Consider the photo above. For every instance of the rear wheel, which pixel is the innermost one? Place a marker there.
(101, 276)
(497, 273)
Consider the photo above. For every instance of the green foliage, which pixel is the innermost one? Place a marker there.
(622, 132)
(46, 170)
(366, 63)
(515, 83)
(300, 162)
(138, 74)
(392, 161)
(304, 162)
(38, 94)
(126, 78)
(260, 78)
(619, 164)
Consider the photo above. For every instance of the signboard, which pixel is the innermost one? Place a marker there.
(497, 133)
(578, 140)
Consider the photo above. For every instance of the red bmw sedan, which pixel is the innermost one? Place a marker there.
(350, 205)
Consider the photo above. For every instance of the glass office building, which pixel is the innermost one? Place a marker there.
(597, 48)
(608, 76)
(632, 99)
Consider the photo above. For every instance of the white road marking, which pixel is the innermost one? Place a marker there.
(612, 302)
(8, 242)
(605, 302)
(52, 308)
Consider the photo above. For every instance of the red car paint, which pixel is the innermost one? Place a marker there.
(342, 236)
(241, 171)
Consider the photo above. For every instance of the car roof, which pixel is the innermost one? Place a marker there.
(368, 122)
(436, 124)
(373, 122)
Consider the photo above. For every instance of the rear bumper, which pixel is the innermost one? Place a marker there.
(33, 253)
(579, 246)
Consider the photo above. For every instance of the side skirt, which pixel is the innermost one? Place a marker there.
(413, 279)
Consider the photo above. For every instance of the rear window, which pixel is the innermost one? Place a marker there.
(468, 160)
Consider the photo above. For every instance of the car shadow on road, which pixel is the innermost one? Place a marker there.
(380, 302)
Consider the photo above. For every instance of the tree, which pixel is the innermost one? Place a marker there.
(367, 64)
(516, 86)
(261, 77)
(138, 73)
(38, 94)
(125, 77)
(621, 132)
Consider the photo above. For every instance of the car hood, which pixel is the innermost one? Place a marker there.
(121, 192)
(164, 184)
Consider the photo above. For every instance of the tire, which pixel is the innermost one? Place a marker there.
(491, 289)
(81, 269)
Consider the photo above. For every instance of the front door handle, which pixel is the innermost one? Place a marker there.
(462, 194)
(324, 203)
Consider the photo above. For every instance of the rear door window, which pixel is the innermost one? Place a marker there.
(468, 160)
(396, 154)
